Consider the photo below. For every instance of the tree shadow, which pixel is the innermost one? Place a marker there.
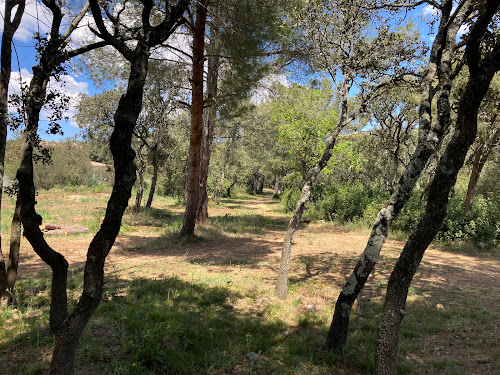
(170, 326)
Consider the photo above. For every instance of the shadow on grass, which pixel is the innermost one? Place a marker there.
(170, 326)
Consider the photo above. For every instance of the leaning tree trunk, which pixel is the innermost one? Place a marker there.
(210, 119)
(282, 282)
(189, 219)
(10, 27)
(154, 181)
(140, 182)
(481, 73)
(429, 139)
(480, 159)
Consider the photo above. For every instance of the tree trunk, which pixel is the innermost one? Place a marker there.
(129, 107)
(210, 119)
(154, 180)
(428, 140)
(140, 182)
(189, 220)
(9, 28)
(481, 73)
(277, 189)
(480, 159)
(282, 283)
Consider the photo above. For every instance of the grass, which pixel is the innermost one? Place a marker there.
(198, 305)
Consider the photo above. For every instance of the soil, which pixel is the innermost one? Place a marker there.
(327, 255)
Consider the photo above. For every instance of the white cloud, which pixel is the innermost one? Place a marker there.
(429, 10)
(67, 85)
(36, 18)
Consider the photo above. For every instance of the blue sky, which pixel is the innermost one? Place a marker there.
(35, 20)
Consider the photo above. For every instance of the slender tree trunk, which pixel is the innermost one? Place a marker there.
(481, 73)
(140, 182)
(10, 27)
(154, 181)
(129, 107)
(210, 119)
(480, 159)
(277, 189)
(189, 220)
(428, 141)
(282, 282)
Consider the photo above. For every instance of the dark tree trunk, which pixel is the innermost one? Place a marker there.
(11, 24)
(140, 182)
(210, 119)
(481, 73)
(126, 115)
(428, 140)
(260, 185)
(282, 282)
(154, 181)
(480, 159)
(230, 188)
(189, 220)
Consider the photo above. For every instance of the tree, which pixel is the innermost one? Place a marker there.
(8, 272)
(68, 327)
(488, 140)
(440, 64)
(482, 54)
(335, 37)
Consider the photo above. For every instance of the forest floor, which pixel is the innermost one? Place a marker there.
(197, 306)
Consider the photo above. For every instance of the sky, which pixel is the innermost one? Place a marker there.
(74, 83)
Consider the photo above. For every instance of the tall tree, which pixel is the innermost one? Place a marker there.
(483, 60)
(8, 271)
(197, 25)
(440, 69)
(68, 327)
(335, 37)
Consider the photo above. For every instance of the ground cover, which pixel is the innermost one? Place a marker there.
(198, 306)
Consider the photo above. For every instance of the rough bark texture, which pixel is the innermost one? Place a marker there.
(140, 175)
(11, 24)
(481, 73)
(480, 158)
(210, 118)
(282, 282)
(428, 140)
(154, 180)
(189, 219)
(68, 329)
(126, 115)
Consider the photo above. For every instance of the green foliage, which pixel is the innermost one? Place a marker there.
(304, 118)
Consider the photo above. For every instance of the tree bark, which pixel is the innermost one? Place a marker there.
(282, 282)
(126, 115)
(154, 181)
(10, 27)
(277, 189)
(481, 74)
(210, 119)
(428, 140)
(189, 219)
(480, 159)
(140, 182)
